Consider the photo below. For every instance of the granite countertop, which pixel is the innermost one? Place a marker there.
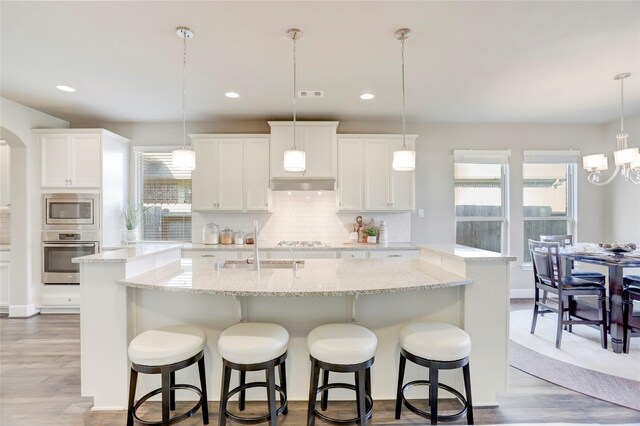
(127, 254)
(468, 254)
(273, 247)
(321, 277)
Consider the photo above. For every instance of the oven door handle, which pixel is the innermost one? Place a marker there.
(67, 245)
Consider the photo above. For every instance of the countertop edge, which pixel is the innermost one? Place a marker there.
(124, 255)
(449, 250)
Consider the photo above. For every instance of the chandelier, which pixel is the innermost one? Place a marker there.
(627, 159)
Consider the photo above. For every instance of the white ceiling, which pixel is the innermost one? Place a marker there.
(466, 61)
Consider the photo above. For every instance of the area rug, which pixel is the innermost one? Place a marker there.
(581, 365)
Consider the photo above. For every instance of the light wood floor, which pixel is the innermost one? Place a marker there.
(40, 385)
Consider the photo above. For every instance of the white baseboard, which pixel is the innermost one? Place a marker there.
(59, 309)
(521, 293)
(4, 309)
(23, 311)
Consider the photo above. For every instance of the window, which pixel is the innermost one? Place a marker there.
(548, 191)
(165, 196)
(480, 185)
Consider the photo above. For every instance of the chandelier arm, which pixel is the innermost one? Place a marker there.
(592, 175)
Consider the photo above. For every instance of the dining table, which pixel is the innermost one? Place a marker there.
(616, 262)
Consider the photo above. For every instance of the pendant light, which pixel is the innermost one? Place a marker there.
(403, 159)
(183, 158)
(627, 159)
(294, 159)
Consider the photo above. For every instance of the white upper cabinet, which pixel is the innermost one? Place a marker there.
(366, 180)
(232, 172)
(256, 174)
(316, 138)
(71, 160)
(350, 173)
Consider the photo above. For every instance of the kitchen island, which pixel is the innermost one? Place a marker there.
(127, 291)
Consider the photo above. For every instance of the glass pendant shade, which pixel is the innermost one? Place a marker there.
(404, 160)
(626, 156)
(595, 162)
(183, 159)
(295, 160)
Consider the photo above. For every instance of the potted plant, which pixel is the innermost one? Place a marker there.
(132, 217)
(372, 234)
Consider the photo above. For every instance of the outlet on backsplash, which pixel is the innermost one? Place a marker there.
(302, 216)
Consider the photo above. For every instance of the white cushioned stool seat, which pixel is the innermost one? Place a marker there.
(435, 341)
(253, 342)
(166, 345)
(342, 344)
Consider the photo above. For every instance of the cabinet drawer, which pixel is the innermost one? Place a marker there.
(303, 254)
(383, 254)
(212, 254)
(353, 254)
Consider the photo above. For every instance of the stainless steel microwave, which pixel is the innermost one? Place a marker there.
(70, 211)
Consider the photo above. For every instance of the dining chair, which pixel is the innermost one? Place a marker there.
(567, 241)
(630, 322)
(548, 277)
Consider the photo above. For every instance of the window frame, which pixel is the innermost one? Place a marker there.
(138, 184)
(569, 159)
(496, 157)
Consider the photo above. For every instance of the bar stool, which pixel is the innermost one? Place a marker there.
(341, 348)
(630, 323)
(165, 351)
(436, 346)
(252, 346)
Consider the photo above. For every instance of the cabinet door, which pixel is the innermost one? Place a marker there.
(281, 141)
(86, 161)
(256, 174)
(402, 184)
(55, 160)
(320, 146)
(377, 166)
(230, 174)
(204, 179)
(350, 174)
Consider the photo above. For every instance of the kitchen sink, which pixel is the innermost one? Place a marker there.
(264, 264)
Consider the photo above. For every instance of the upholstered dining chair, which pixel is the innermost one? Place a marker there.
(630, 322)
(567, 241)
(548, 277)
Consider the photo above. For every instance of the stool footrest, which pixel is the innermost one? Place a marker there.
(368, 404)
(174, 419)
(258, 419)
(444, 418)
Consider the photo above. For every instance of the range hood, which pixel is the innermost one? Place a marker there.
(303, 184)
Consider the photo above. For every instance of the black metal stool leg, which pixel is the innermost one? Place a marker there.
(282, 369)
(360, 396)
(166, 397)
(271, 395)
(241, 400)
(224, 391)
(367, 385)
(172, 392)
(433, 394)
(313, 387)
(325, 395)
(133, 380)
(467, 390)
(403, 363)
(203, 388)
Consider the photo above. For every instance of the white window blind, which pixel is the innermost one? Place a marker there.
(551, 156)
(165, 196)
(481, 156)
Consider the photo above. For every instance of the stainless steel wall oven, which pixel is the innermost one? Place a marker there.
(58, 248)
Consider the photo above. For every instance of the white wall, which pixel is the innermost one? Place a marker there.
(434, 175)
(17, 123)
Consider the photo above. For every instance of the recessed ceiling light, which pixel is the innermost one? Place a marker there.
(367, 96)
(232, 95)
(65, 88)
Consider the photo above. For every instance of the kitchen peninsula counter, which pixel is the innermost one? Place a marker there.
(194, 247)
(128, 291)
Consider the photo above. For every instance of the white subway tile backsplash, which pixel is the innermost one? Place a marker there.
(303, 216)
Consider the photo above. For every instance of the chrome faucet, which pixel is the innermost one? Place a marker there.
(256, 253)
(293, 258)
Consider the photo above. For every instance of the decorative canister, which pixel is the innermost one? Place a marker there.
(238, 238)
(210, 234)
(226, 236)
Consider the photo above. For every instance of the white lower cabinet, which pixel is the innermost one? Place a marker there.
(232, 173)
(303, 254)
(356, 254)
(384, 254)
(211, 254)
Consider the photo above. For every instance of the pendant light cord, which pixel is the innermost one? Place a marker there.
(295, 35)
(184, 91)
(404, 143)
(622, 105)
